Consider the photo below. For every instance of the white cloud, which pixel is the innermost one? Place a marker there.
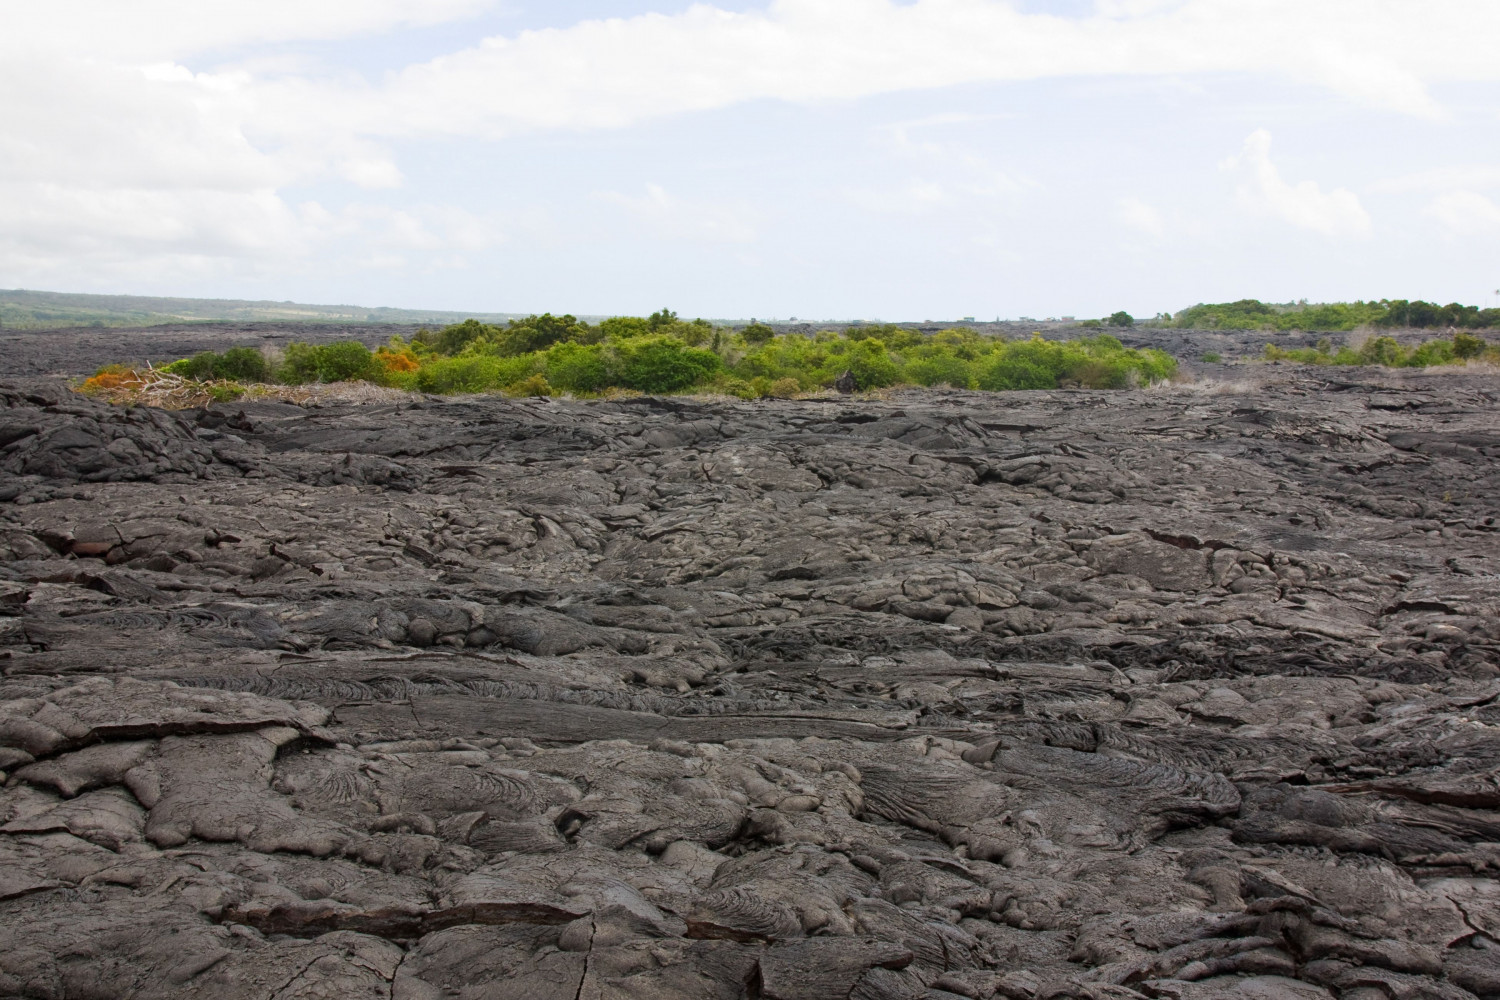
(914, 197)
(1466, 213)
(168, 128)
(1304, 204)
(56, 233)
(51, 235)
(143, 30)
(1468, 175)
(952, 175)
(677, 218)
(611, 73)
(1140, 216)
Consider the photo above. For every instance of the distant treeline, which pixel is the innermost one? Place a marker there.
(23, 309)
(1252, 314)
(1460, 349)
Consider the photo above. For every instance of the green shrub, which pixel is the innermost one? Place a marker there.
(623, 354)
(239, 364)
(474, 373)
(942, 369)
(226, 392)
(792, 356)
(1252, 314)
(1121, 318)
(624, 327)
(1100, 362)
(1150, 364)
(200, 367)
(532, 385)
(731, 386)
(1004, 373)
(407, 381)
(1034, 363)
(694, 334)
(243, 364)
(1466, 346)
(342, 361)
(537, 333)
(891, 335)
(1212, 357)
(453, 339)
(578, 367)
(1433, 352)
(871, 365)
(664, 365)
(1100, 373)
(1382, 351)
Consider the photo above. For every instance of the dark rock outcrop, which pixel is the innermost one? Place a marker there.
(1190, 692)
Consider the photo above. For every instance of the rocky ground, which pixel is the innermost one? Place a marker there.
(79, 351)
(1187, 693)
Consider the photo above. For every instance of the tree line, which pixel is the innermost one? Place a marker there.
(1252, 314)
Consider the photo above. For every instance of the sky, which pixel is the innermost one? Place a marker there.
(818, 159)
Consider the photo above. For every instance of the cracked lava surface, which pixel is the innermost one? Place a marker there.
(1190, 692)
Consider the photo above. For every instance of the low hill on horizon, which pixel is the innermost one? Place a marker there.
(25, 309)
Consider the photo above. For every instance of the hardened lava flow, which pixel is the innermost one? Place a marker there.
(1188, 692)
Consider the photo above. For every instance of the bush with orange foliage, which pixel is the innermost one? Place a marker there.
(111, 378)
(396, 360)
(395, 365)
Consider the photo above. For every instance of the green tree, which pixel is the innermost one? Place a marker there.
(660, 320)
(537, 333)
(1121, 318)
(757, 334)
(453, 339)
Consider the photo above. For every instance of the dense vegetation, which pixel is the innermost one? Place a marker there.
(1386, 351)
(546, 354)
(1252, 314)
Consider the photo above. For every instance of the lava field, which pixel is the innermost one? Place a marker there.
(1190, 692)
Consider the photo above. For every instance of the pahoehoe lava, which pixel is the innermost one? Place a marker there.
(1188, 692)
